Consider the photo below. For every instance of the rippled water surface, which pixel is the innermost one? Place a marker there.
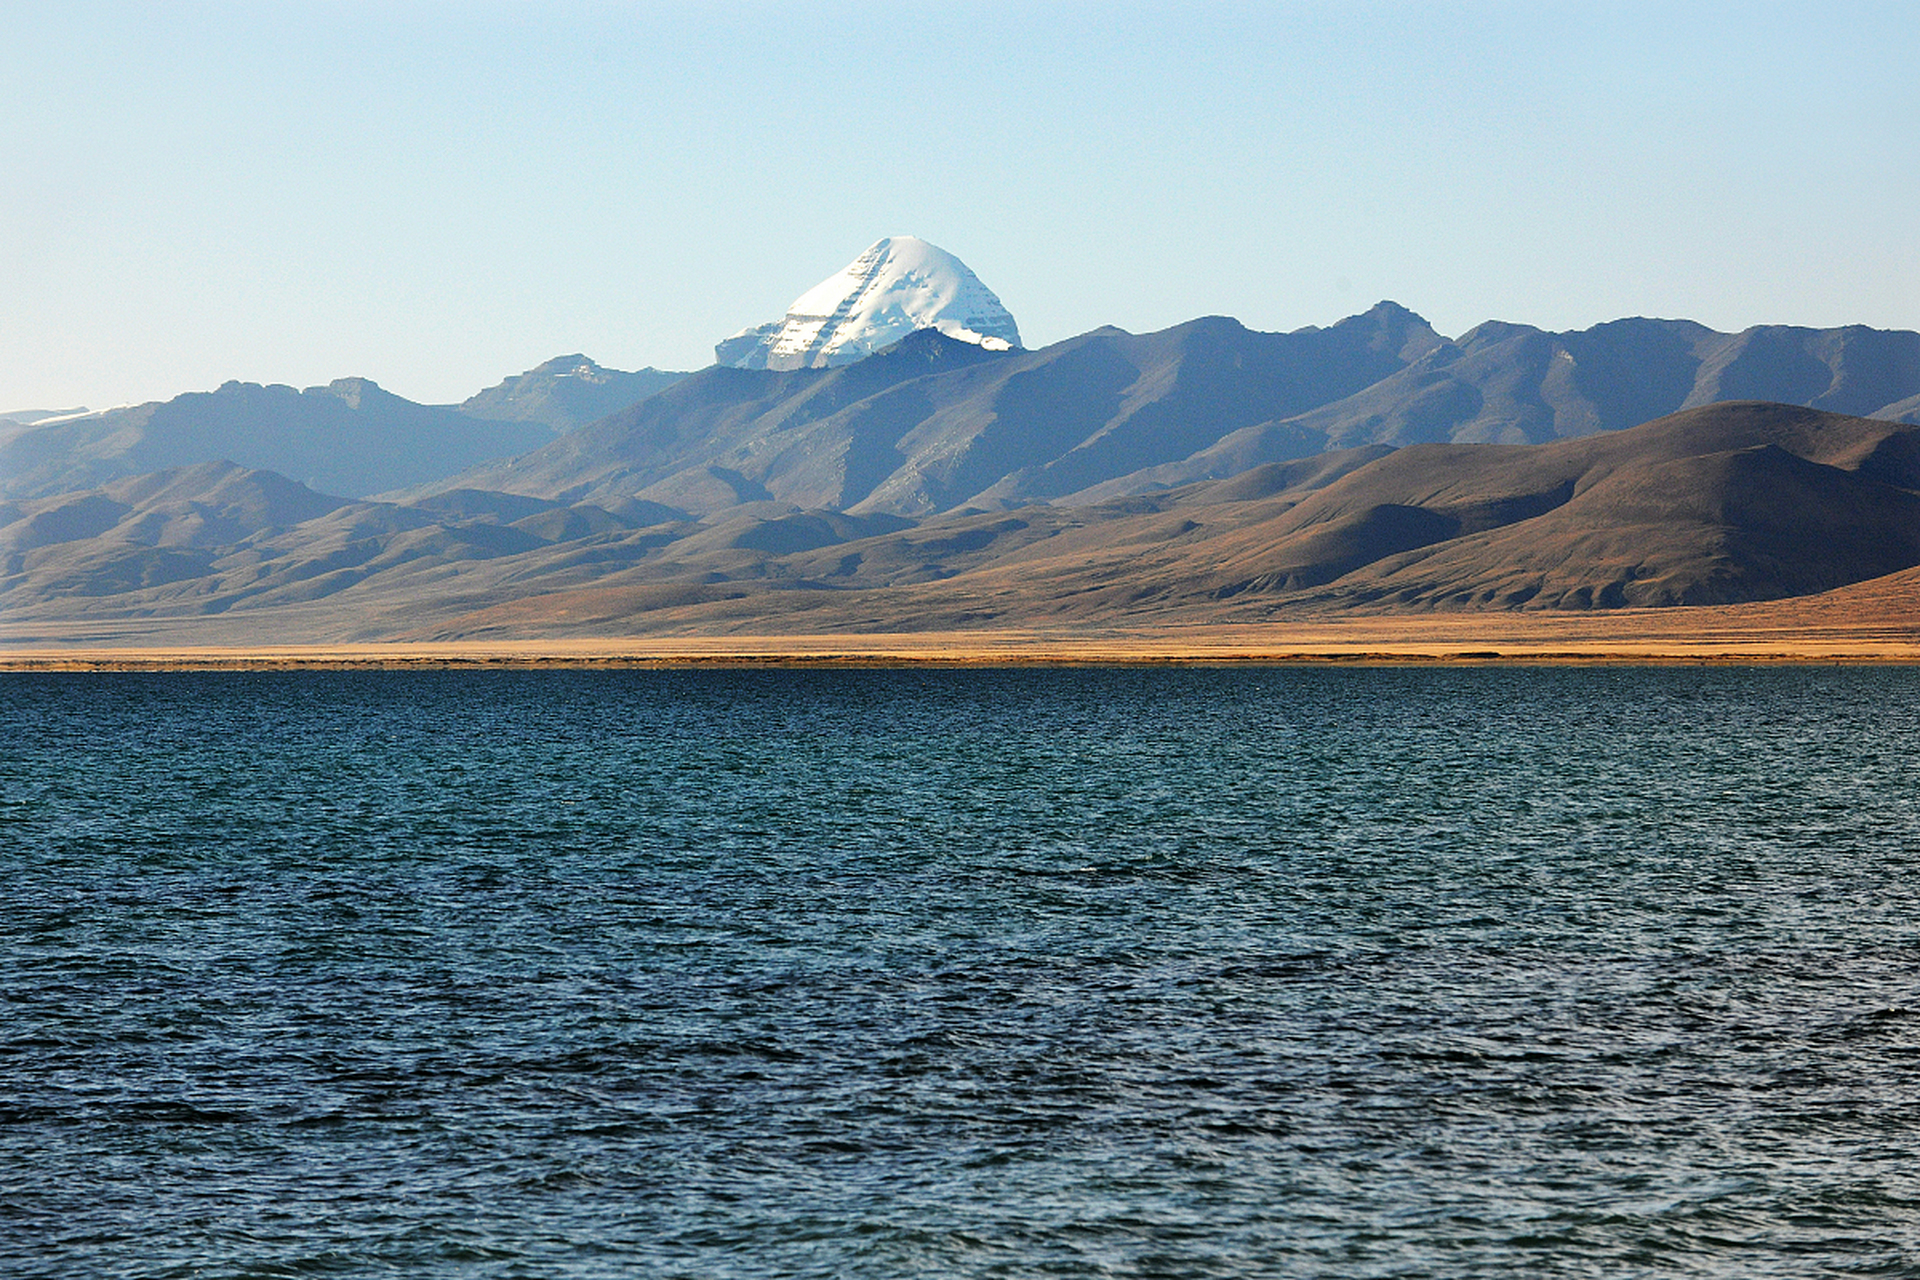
(1300, 972)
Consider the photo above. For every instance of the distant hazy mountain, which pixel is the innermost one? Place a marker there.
(1725, 503)
(349, 437)
(898, 285)
(566, 392)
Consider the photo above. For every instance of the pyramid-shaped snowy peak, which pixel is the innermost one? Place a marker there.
(899, 285)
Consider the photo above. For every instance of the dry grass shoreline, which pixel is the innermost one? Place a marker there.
(1876, 621)
(1641, 638)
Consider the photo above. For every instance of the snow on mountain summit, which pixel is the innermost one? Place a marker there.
(898, 285)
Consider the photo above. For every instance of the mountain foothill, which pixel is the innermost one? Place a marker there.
(1207, 472)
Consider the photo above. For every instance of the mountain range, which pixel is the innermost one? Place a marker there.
(935, 424)
(952, 478)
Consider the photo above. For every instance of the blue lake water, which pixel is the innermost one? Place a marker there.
(1169, 972)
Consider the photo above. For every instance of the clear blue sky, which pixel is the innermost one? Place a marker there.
(437, 195)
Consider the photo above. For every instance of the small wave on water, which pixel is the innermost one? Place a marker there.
(1486, 972)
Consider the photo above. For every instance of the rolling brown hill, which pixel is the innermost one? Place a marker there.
(1717, 505)
(1741, 501)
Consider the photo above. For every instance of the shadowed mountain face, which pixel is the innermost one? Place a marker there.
(1726, 503)
(1720, 504)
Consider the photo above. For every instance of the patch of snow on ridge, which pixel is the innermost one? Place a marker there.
(898, 285)
(67, 415)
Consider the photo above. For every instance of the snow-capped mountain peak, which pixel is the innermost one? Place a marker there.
(898, 285)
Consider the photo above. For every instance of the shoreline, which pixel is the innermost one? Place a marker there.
(1371, 645)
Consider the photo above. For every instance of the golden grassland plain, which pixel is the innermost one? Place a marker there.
(1877, 622)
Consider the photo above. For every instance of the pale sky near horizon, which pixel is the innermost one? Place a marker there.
(435, 196)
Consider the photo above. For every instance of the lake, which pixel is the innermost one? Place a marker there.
(1174, 972)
